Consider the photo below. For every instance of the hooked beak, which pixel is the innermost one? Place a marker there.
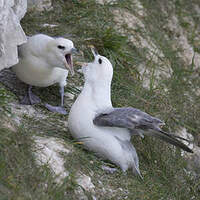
(74, 51)
(94, 51)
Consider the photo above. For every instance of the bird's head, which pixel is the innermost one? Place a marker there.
(98, 71)
(60, 53)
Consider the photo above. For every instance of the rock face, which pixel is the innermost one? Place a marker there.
(47, 152)
(11, 33)
(193, 160)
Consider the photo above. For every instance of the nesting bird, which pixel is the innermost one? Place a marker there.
(105, 130)
(44, 61)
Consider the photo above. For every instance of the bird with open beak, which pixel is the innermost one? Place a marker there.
(44, 61)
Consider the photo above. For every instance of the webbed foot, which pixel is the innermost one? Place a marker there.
(30, 98)
(57, 109)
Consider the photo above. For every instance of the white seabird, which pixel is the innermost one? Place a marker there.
(44, 61)
(107, 130)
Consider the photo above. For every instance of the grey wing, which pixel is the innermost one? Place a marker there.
(128, 117)
(139, 122)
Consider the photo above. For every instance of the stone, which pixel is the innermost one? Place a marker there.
(80, 194)
(102, 2)
(8, 125)
(19, 111)
(193, 159)
(85, 182)
(180, 40)
(11, 32)
(182, 132)
(19, 8)
(153, 53)
(47, 151)
(136, 3)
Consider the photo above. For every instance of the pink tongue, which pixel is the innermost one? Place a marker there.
(68, 58)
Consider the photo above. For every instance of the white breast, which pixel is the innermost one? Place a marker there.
(34, 71)
(33, 67)
(81, 118)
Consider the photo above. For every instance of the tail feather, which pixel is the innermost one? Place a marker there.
(135, 161)
(136, 170)
(176, 136)
(171, 139)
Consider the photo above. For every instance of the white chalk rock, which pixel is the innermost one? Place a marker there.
(48, 151)
(193, 159)
(11, 33)
(85, 182)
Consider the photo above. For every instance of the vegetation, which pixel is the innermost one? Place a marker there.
(173, 98)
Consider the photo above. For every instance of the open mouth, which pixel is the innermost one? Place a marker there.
(69, 60)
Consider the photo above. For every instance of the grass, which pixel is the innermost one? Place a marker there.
(174, 100)
(20, 177)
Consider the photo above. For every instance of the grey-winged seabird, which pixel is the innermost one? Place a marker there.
(106, 130)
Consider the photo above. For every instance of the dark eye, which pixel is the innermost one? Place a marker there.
(61, 47)
(100, 61)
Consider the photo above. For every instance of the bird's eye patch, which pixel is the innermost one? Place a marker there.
(61, 47)
(100, 61)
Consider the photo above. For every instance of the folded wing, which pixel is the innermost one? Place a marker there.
(138, 122)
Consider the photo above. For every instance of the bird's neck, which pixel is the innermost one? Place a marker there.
(97, 94)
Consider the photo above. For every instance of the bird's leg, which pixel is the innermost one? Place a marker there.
(62, 95)
(59, 109)
(30, 98)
